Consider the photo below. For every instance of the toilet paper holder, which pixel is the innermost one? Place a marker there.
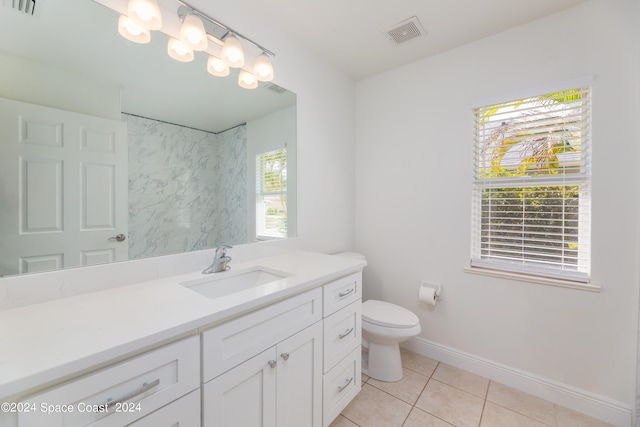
(436, 287)
(429, 292)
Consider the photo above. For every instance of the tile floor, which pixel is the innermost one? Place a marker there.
(433, 394)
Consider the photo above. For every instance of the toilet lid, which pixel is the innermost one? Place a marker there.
(387, 314)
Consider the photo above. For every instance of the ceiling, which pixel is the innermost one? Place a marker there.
(348, 33)
(351, 33)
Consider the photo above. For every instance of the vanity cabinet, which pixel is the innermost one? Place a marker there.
(282, 386)
(293, 362)
(265, 368)
(123, 393)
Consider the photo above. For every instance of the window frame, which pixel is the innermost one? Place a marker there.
(261, 194)
(526, 269)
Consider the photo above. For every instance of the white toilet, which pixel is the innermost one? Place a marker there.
(384, 327)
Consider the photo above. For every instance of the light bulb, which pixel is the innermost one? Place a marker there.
(145, 13)
(263, 69)
(247, 80)
(132, 31)
(217, 67)
(178, 51)
(192, 33)
(232, 52)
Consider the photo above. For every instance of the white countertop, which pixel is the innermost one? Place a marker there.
(44, 343)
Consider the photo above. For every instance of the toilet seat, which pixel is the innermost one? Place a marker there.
(388, 315)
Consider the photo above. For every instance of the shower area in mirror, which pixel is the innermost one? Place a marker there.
(187, 187)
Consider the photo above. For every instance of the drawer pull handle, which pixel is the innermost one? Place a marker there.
(346, 384)
(285, 356)
(272, 363)
(145, 387)
(345, 333)
(345, 293)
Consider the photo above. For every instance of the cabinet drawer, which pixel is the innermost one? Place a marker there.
(342, 292)
(142, 384)
(342, 334)
(341, 385)
(184, 412)
(233, 342)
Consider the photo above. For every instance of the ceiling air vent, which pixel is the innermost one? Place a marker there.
(405, 30)
(24, 6)
(274, 87)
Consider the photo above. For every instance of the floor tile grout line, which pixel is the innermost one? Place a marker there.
(485, 399)
(429, 378)
(484, 405)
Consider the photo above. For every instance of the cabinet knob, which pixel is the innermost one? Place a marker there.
(285, 356)
(272, 363)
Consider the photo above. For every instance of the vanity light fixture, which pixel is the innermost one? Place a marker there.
(217, 67)
(192, 33)
(179, 51)
(132, 31)
(232, 53)
(198, 32)
(145, 13)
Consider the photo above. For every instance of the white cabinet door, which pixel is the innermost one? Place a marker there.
(63, 189)
(299, 379)
(245, 396)
(281, 386)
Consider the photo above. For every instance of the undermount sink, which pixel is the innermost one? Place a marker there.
(229, 282)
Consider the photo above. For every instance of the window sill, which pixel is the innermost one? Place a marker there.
(532, 279)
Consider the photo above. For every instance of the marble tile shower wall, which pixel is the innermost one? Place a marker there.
(187, 188)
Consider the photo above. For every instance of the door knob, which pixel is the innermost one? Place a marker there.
(118, 238)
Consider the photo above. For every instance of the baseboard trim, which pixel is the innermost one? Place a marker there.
(596, 406)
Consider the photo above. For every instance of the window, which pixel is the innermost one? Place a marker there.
(271, 194)
(531, 195)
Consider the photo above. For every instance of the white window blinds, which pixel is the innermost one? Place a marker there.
(271, 194)
(531, 195)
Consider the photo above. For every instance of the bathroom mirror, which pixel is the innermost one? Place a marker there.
(190, 180)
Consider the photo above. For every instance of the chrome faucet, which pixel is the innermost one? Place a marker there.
(220, 261)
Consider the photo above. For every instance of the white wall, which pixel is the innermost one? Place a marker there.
(38, 83)
(413, 191)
